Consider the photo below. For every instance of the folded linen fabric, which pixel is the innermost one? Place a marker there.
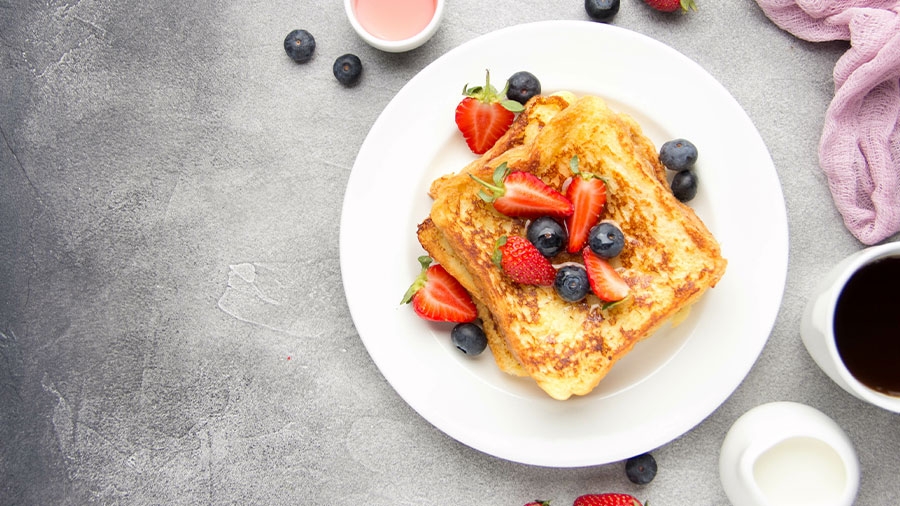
(859, 150)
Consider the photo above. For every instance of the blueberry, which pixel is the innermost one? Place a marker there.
(468, 338)
(547, 235)
(299, 45)
(606, 240)
(641, 469)
(601, 10)
(684, 185)
(678, 154)
(347, 69)
(572, 282)
(521, 86)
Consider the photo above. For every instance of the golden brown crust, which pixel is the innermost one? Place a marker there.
(670, 257)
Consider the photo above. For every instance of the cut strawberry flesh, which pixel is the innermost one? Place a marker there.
(606, 283)
(588, 196)
(526, 196)
(482, 124)
(443, 298)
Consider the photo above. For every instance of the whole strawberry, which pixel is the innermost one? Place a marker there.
(538, 502)
(606, 500)
(436, 295)
(672, 5)
(484, 115)
(523, 262)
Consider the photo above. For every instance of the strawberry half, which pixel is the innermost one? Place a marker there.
(484, 115)
(587, 193)
(436, 295)
(606, 500)
(672, 5)
(606, 283)
(523, 195)
(522, 261)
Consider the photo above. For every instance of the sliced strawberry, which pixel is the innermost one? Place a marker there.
(484, 115)
(523, 195)
(436, 295)
(522, 261)
(587, 193)
(606, 283)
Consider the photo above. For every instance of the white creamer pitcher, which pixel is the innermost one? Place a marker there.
(788, 454)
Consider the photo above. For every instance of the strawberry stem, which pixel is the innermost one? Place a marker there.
(497, 189)
(573, 165)
(421, 279)
(488, 94)
(497, 255)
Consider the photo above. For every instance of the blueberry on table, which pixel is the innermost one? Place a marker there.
(572, 283)
(606, 240)
(641, 469)
(521, 86)
(469, 338)
(601, 10)
(684, 185)
(547, 235)
(678, 154)
(347, 69)
(300, 45)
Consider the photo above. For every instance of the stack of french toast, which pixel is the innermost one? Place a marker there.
(669, 260)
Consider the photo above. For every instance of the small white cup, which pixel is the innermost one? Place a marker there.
(396, 46)
(788, 454)
(817, 326)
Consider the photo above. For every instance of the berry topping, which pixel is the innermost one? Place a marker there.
(684, 185)
(587, 193)
(347, 69)
(672, 5)
(521, 86)
(522, 262)
(468, 338)
(436, 295)
(300, 45)
(606, 500)
(547, 235)
(606, 240)
(483, 116)
(641, 469)
(572, 283)
(522, 195)
(678, 154)
(606, 283)
(601, 10)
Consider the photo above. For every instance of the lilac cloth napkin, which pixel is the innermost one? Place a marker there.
(860, 146)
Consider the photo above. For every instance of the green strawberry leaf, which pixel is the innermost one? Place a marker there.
(420, 281)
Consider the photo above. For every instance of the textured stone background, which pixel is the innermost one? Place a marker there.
(162, 163)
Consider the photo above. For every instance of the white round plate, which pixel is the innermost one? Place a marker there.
(670, 382)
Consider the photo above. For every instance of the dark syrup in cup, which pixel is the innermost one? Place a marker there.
(867, 325)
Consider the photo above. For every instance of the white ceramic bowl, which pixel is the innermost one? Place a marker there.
(817, 326)
(396, 46)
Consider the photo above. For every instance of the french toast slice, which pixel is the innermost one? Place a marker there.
(670, 258)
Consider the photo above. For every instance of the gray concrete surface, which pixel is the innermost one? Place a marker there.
(159, 158)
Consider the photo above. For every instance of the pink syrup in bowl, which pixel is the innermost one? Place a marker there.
(394, 19)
